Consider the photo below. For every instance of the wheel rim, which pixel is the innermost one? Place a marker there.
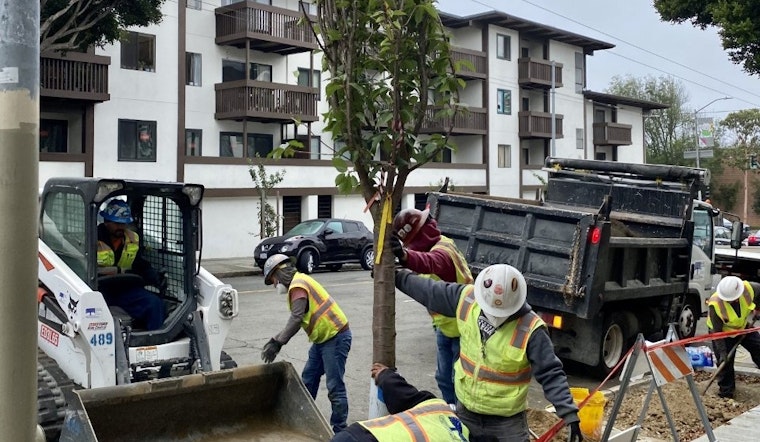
(612, 348)
(369, 258)
(310, 262)
(686, 322)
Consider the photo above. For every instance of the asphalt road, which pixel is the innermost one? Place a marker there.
(263, 313)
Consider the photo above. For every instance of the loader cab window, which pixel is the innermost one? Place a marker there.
(62, 228)
(703, 230)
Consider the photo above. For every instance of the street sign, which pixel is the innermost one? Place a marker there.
(703, 153)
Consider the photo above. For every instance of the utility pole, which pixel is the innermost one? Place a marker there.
(696, 126)
(19, 138)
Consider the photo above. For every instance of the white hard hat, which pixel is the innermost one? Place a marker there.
(500, 290)
(730, 288)
(273, 263)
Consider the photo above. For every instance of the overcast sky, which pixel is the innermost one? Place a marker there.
(643, 46)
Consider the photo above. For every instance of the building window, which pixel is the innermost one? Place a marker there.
(291, 212)
(504, 156)
(235, 70)
(324, 206)
(54, 136)
(579, 80)
(303, 78)
(193, 142)
(504, 101)
(138, 52)
(193, 69)
(231, 145)
(137, 140)
(309, 7)
(579, 143)
(194, 4)
(503, 47)
(444, 156)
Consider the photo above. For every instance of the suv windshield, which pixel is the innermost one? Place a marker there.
(306, 228)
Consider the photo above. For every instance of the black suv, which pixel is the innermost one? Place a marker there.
(325, 241)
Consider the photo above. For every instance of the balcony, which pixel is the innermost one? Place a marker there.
(538, 125)
(479, 68)
(266, 28)
(265, 102)
(612, 134)
(467, 121)
(77, 76)
(535, 72)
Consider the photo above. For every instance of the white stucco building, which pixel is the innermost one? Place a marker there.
(177, 101)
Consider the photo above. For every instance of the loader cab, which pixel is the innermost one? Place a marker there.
(166, 219)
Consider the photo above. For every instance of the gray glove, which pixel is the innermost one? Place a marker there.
(270, 350)
(575, 432)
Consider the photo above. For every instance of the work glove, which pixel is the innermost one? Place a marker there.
(398, 249)
(270, 351)
(575, 432)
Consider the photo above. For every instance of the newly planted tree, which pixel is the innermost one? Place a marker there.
(269, 222)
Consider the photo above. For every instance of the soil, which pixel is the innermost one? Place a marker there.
(680, 404)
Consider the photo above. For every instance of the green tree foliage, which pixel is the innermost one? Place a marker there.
(391, 72)
(725, 196)
(668, 132)
(269, 221)
(70, 25)
(743, 128)
(738, 21)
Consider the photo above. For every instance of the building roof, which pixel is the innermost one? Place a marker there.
(526, 27)
(601, 97)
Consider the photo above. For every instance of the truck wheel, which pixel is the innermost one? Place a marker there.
(53, 387)
(688, 318)
(614, 342)
(307, 262)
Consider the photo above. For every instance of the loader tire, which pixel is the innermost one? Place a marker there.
(53, 390)
(227, 361)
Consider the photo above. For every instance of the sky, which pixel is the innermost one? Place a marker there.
(644, 45)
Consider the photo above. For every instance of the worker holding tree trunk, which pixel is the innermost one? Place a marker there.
(730, 308)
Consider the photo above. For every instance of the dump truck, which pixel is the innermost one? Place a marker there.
(612, 250)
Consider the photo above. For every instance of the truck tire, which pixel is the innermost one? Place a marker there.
(615, 339)
(689, 317)
(227, 361)
(53, 390)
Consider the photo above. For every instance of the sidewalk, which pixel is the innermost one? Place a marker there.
(231, 267)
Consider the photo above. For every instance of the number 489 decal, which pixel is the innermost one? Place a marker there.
(101, 339)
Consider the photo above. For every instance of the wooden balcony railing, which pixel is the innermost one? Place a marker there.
(470, 120)
(477, 59)
(265, 102)
(267, 28)
(612, 134)
(537, 72)
(77, 76)
(539, 125)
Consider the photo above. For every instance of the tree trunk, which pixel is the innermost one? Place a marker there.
(384, 306)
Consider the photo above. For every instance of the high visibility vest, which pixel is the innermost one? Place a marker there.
(732, 321)
(448, 326)
(106, 255)
(429, 421)
(493, 378)
(324, 319)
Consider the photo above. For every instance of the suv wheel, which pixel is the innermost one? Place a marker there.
(368, 258)
(307, 262)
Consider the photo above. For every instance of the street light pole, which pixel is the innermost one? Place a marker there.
(696, 125)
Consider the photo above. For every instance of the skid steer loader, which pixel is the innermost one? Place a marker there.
(83, 343)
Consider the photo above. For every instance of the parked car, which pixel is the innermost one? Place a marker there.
(326, 242)
(722, 236)
(754, 238)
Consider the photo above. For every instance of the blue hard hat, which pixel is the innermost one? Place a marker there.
(117, 211)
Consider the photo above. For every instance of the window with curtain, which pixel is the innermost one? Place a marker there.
(192, 69)
(504, 101)
(137, 140)
(193, 142)
(138, 52)
(231, 145)
(503, 47)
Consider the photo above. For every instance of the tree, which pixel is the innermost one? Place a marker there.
(738, 21)
(70, 25)
(389, 61)
(667, 132)
(744, 125)
(269, 221)
(725, 196)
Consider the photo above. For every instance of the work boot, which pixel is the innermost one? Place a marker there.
(726, 394)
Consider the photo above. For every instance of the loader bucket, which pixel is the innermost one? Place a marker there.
(253, 403)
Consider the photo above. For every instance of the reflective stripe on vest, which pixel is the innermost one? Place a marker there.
(106, 255)
(324, 318)
(493, 377)
(732, 321)
(448, 326)
(429, 421)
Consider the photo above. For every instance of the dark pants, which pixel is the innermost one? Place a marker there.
(448, 353)
(142, 305)
(485, 428)
(726, 378)
(329, 359)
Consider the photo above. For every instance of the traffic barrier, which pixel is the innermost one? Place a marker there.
(669, 364)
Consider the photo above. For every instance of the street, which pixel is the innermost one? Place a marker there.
(263, 313)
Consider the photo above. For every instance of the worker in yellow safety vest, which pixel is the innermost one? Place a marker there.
(420, 247)
(732, 307)
(314, 310)
(503, 342)
(416, 415)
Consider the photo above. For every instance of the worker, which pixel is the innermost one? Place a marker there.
(415, 415)
(502, 343)
(419, 246)
(730, 308)
(119, 252)
(314, 310)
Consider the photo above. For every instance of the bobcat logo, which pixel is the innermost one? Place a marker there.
(73, 306)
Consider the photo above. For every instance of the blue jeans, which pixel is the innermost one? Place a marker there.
(329, 359)
(142, 305)
(448, 353)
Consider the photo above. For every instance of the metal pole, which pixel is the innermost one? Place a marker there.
(554, 112)
(696, 135)
(19, 185)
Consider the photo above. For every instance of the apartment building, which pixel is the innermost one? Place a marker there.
(219, 82)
